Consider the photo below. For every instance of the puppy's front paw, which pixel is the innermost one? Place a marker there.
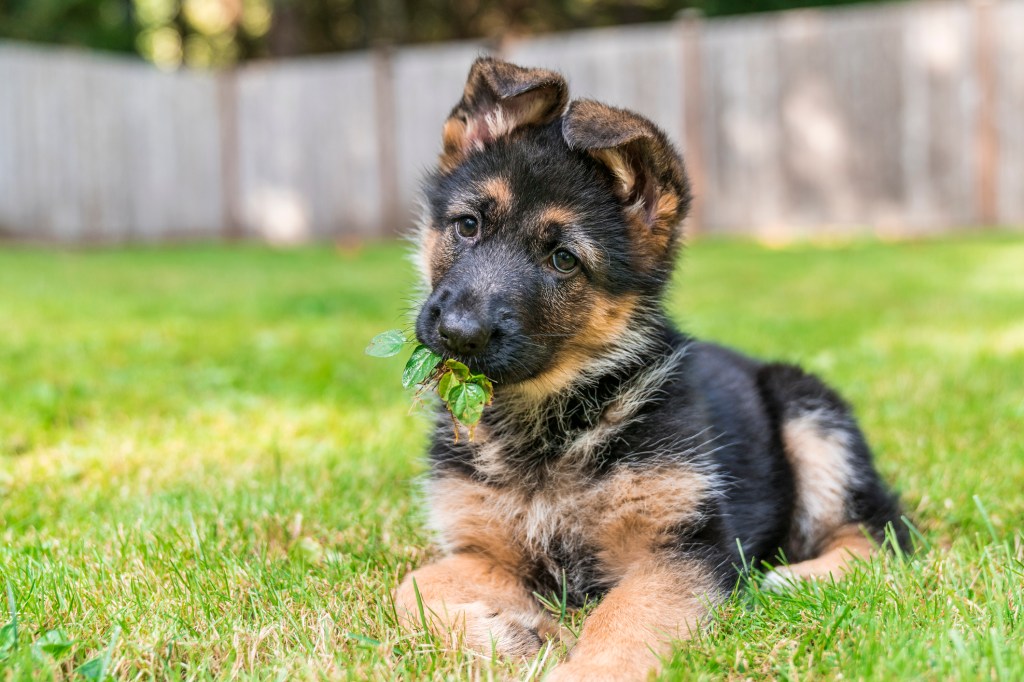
(509, 633)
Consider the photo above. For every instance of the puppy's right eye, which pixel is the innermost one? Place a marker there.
(467, 226)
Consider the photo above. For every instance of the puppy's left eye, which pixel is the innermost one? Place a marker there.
(564, 261)
(467, 226)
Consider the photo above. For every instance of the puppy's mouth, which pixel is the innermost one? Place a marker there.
(507, 357)
(492, 363)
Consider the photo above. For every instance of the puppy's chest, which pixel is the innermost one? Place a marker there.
(590, 531)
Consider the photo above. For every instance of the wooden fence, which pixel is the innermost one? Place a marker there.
(893, 119)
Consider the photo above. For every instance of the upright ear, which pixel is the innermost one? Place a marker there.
(499, 98)
(649, 176)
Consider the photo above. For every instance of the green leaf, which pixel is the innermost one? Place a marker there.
(447, 383)
(458, 369)
(387, 344)
(55, 643)
(8, 639)
(420, 366)
(484, 383)
(466, 402)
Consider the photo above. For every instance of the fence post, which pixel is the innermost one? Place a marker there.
(227, 108)
(986, 147)
(387, 153)
(693, 152)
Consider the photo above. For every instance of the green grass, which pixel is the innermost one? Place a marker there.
(203, 475)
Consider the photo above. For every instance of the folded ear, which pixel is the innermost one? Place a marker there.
(499, 98)
(649, 176)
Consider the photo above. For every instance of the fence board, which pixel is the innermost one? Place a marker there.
(105, 149)
(308, 165)
(940, 120)
(12, 205)
(1010, 112)
(740, 122)
(173, 140)
(841, 164)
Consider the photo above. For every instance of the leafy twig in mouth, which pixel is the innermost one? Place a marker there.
(464, 394)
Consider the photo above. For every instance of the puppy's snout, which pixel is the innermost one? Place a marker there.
(463, 333)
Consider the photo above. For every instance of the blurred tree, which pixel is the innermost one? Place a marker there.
(201, 33)
(725, 7)
(103, 24)
(205, 33)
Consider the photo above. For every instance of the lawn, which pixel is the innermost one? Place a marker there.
(202, 476)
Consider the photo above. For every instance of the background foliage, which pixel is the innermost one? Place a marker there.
(203, 33)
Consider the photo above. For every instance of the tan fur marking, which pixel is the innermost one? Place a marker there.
(846, 546)
(821, 466)
(453, 139)
(470, 515)
(470, 601)
(532, 107)
(606, 321)
(619, 166)
(664, 214)
(639, 510)
(500, 191)
(637, 621)
(558, 215)
(652, 226)
(627, 516)
(653, 230)
(500, 122)
(427, 254)
(576, 240)
(554, 379)
(667, 210)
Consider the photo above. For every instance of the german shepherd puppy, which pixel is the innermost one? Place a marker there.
(621, 459)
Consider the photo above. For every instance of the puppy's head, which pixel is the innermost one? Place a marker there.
(550, 227)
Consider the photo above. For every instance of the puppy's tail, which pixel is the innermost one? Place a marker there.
(836, 483)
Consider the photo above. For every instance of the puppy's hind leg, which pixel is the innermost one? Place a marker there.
(847, 545)
(841, 506)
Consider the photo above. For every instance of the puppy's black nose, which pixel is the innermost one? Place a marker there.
(463, 334)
